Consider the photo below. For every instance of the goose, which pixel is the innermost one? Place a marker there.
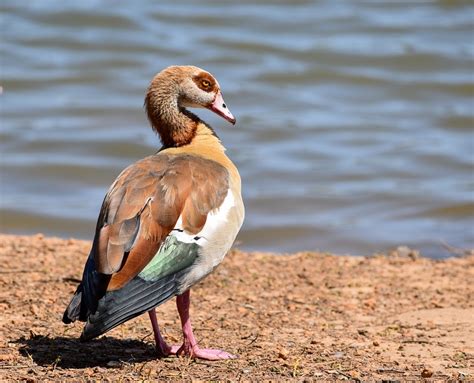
(167, 221)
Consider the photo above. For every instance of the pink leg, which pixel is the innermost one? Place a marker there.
(190, 346)
(162, 347)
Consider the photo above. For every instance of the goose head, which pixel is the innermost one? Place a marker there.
(186, 87)
(199, 89)
(172, 91)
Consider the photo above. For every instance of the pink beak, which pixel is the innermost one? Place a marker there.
(219, 107)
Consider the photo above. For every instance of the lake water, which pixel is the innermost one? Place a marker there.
(355, 118)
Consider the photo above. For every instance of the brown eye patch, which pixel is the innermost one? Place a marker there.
(205, 82)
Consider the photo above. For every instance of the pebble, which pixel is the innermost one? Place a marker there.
(426, 373)
(34, 309)
(283, 354)
(406, 252)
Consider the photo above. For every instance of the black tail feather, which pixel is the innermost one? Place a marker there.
(73, 310)
(136, 298)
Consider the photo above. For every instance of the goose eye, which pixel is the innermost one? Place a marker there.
(205, 84)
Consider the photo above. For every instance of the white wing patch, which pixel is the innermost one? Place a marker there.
(214, 240)
(215, 219)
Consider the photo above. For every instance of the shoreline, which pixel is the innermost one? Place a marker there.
(294, 317)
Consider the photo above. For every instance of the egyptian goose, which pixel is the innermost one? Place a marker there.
(167, 220)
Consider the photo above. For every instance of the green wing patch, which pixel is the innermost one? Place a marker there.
(172, 257)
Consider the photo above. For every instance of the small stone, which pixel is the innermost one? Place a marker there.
(355, 375)
(426, 373)
(375, 343)
(34, 309)
(283, 354)
(406, 252)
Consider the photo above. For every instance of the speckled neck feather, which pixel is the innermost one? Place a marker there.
(175, 125)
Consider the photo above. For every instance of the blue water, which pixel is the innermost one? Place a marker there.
(355, 119)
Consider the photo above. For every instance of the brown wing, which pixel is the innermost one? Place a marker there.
(143, 206)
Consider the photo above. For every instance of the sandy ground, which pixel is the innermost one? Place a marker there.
(300, 317)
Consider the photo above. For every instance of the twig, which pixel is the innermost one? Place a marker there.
(253, 340)
(390, 370)
(457, 251)
(146, 336)
(421, 341)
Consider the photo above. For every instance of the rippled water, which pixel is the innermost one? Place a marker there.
(354, 128)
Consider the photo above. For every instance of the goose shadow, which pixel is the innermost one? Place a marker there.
(67, 352)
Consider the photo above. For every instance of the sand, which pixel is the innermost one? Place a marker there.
(300, 317)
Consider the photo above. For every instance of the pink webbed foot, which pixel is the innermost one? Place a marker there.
(163, 350)
(203, 353)
(190, 347)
